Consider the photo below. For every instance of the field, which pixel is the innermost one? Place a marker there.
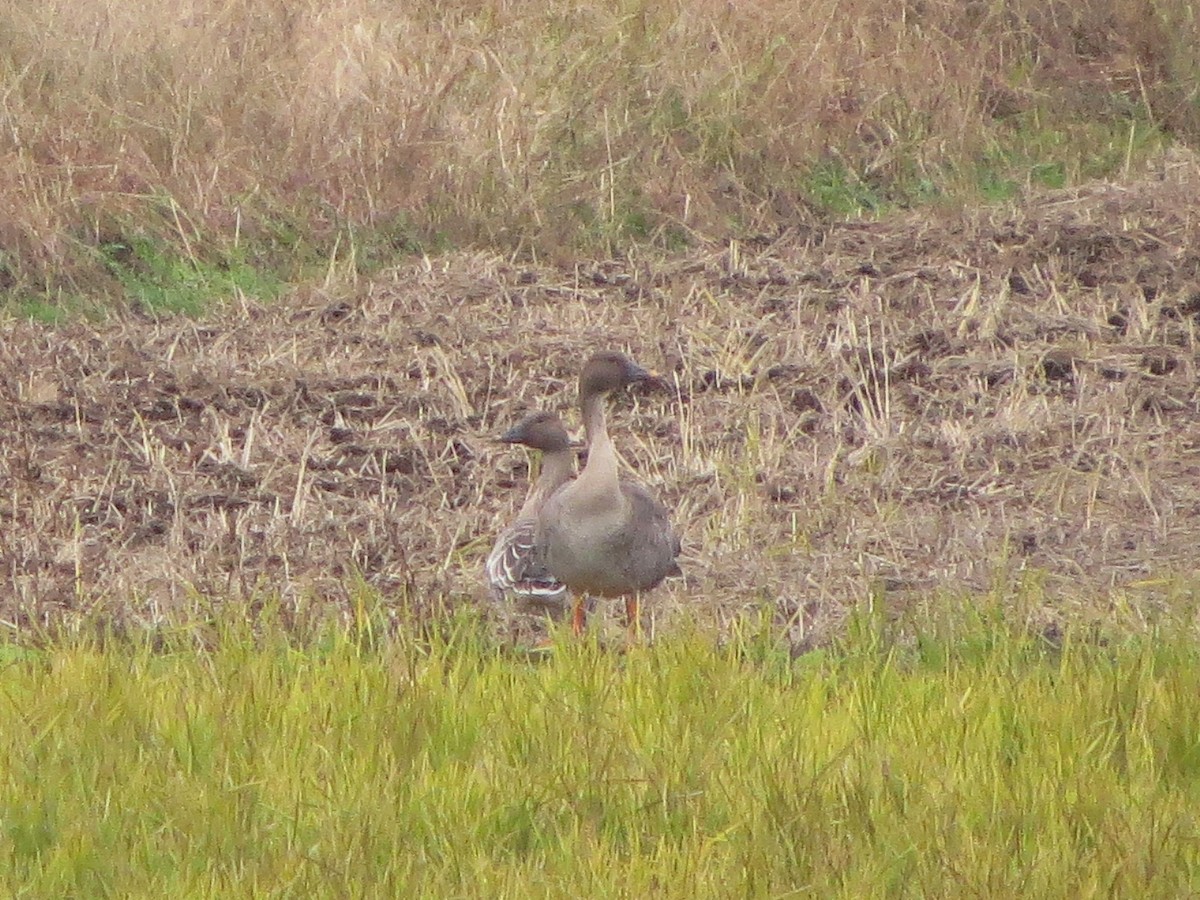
(957, 453)
(275, 276)
(983, 766)
(234, 144)
(935, 406)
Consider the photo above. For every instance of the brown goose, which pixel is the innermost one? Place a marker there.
(598, 534)
(514, 571)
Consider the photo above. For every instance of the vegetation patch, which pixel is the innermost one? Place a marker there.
(161, 282)
(217, 131)
(975, 760)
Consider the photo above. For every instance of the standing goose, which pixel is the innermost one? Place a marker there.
(601, 535)
(514, 571)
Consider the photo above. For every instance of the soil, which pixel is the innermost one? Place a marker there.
(932, 408)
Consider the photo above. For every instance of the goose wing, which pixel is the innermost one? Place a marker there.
(515, 567)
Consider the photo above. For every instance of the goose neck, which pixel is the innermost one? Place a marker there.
(557, 467)
(594, 424)
(601, 465)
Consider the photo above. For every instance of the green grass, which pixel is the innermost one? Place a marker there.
(155, 271)
(1037, 151)
(162, 281)
(972, 764)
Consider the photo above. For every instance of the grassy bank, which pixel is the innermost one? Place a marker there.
(169, 153)
(976, 763)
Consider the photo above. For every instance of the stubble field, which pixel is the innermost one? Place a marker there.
(924, 409)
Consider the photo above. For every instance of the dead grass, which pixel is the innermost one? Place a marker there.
(904, 410)
(277, 130)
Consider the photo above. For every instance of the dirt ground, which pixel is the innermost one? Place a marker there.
(921, 409)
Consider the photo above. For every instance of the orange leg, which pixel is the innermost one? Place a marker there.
(633, 621)
(579, 615)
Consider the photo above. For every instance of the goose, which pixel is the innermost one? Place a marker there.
(599, 534)
(514, 570)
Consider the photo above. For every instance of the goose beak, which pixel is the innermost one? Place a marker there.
(650, 380)
(512, 436)
(635, 373)
(647, 378)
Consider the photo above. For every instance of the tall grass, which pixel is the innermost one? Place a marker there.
(279, 132)
(977, 764)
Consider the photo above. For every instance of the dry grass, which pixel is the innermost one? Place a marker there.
(901, 410)
(269, 129)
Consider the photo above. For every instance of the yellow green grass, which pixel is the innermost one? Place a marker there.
(979, 762)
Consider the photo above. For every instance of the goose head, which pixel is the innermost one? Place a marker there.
(540, 431)
(610, 371)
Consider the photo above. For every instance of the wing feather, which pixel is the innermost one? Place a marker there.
(515, 568)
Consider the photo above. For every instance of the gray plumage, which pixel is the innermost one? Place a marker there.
(601, 535)
(514, 568)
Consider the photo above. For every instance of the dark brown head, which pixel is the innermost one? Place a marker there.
(540, 431)
(610, 371)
